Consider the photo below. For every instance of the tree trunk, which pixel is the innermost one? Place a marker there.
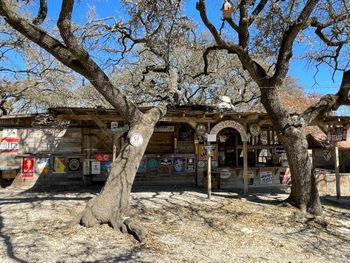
(111, 206)
(289, 127)
(304, 193)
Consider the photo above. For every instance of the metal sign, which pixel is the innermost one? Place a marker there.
(211, 137)
(136, 140)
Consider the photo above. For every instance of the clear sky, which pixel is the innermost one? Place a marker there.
(300, 69)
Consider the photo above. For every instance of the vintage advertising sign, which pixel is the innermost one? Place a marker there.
(9, 145)
(42, 166)
(59, 165)
(202, 155)
(95, 167)
(102, 157)
(179, 164)
(27, 167)
(74, 164)
(136, 140)
(266, 177)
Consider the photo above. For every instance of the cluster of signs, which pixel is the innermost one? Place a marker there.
(167, 163)
(337, 133)
(99, 165)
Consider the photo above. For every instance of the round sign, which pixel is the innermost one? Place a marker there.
(74, 164)
(254, 129)
(136, 140)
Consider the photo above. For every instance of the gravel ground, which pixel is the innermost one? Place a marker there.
(181, 226)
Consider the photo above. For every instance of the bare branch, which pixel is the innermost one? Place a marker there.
(42, 13)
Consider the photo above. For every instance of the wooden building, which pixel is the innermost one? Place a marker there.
(76, 146)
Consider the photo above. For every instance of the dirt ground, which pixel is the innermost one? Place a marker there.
(182, 226)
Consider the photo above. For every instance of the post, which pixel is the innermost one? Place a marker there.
(209, 176)
(114, 147)
(336, 168)
(245, 168)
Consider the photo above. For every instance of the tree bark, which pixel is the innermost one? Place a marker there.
(111, 206)
(290, 131)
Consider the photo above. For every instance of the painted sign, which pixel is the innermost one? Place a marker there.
(105, 166)
(136, 140)
(9, 145)
(73, 164)
(265, 177)
(179, 164)
(143, 165)
(336, 134)
(166, 162)
(95, 167)
(202, 155)
(211, 137)
(28, 167)
(42, 166)
(190, 164)
(164, 129)
(230, 124)
(101, 157)
(152, 164)
(59, 165)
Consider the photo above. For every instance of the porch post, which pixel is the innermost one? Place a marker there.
(245, 168)
(336, 168)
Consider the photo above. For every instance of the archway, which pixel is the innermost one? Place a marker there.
(244, 136)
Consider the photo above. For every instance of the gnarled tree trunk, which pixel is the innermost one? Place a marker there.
(289, 127)
(304, 193)
(111, 206)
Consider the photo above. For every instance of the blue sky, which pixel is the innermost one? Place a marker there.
(300, 69)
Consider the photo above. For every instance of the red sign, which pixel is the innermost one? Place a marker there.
(101, 157)
(9, 145)
(28, 166)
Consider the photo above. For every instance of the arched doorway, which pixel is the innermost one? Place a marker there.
(231, 129)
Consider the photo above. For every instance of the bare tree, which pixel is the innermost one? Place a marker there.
(272, 28)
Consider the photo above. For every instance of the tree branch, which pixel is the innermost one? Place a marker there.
(42, 13)
(329, 102)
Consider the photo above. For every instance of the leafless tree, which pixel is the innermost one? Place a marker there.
(272, 28)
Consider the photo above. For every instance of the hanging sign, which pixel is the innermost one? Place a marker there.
(211, 137)
(28, 166)
(136, 140)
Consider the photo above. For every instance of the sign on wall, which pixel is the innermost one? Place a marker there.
(95, 167)
(28, 167)
(59, 165)
(266, 177)
(9, 133)
(74, 164)
(9, 145)
(336, 134)
(42, 166)
(101, 157)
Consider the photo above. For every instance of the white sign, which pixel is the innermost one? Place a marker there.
(114, 126)
(9, 133)
(211, 137)
(136, 140)
(266, 177)
(95, 167)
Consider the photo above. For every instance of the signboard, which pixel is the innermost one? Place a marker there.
(74, 164)
(95, 167)
(202, 155)
(42, 166)
(9, 145)
(211, 137)
(114, 126)
(164, 129)
(28, 166)
(101, 157)
(266, 177)
(136, 140)
(336, 134)
(190, 164)
(59, 165)
(179, 164)
(327, 155)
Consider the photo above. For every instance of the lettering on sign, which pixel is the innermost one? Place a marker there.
(230, 124)
(9, 145)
